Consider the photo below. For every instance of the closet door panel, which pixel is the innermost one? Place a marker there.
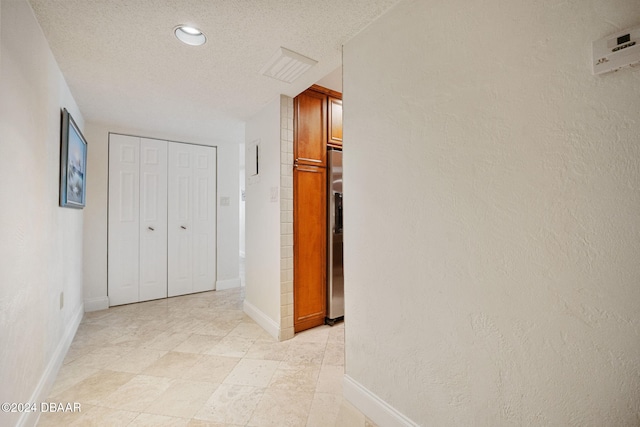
(123, 220)
(204, 218)
(180, 211)
(153, 219)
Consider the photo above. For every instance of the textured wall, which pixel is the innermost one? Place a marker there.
(269, 216)
(228, 228)
(262, 215)
(40, 243)
(492, 243)
(241, 207)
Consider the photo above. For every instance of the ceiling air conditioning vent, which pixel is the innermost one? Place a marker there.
(287, 66)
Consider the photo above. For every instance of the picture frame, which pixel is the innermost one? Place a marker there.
(73, 164)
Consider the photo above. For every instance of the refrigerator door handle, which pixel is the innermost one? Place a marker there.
(338, 211)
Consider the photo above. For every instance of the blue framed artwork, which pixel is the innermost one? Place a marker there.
(73, 164)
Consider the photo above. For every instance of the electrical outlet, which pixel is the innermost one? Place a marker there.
(61, 300)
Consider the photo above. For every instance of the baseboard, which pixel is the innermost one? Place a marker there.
(221, 285)
(49, 375)
(262, 319)
(96, 304)
(374, 408)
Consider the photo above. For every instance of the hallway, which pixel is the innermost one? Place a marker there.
(198, 360)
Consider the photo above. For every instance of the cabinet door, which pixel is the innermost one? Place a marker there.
(309, 210)
(310, 111)
(124, 221)
(153, 219)
(335, 122)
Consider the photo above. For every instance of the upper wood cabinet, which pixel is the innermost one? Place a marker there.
(335, 122)
(310, 119)
(317, 124)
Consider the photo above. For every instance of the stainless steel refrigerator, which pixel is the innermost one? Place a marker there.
(335, 276)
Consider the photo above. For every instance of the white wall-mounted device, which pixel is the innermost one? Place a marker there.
(253, 158)
(616, 51)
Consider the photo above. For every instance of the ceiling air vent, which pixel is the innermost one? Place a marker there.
(286, 65)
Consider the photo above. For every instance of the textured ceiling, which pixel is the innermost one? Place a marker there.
(125, 67)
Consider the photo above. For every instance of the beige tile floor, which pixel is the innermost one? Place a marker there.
(198, 360)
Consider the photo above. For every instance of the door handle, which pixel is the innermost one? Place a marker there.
(151, 228)
(183, 227)
(338, 212)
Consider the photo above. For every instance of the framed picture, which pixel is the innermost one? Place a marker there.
(73, 164)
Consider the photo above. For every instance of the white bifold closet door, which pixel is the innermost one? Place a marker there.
(192, 219)
(162, 219)
(137, 238)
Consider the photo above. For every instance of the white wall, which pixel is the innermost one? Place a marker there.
(40, 243)
(228, 216)
(492, 237)
(95, 227)
(262, 296)
(241, 207)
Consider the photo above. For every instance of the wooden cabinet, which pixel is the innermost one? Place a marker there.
(309, 246)
(318, 118)
(310, 118)
(317, 125)
(334, 122)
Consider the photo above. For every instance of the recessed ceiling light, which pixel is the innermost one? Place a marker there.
(190, 35)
